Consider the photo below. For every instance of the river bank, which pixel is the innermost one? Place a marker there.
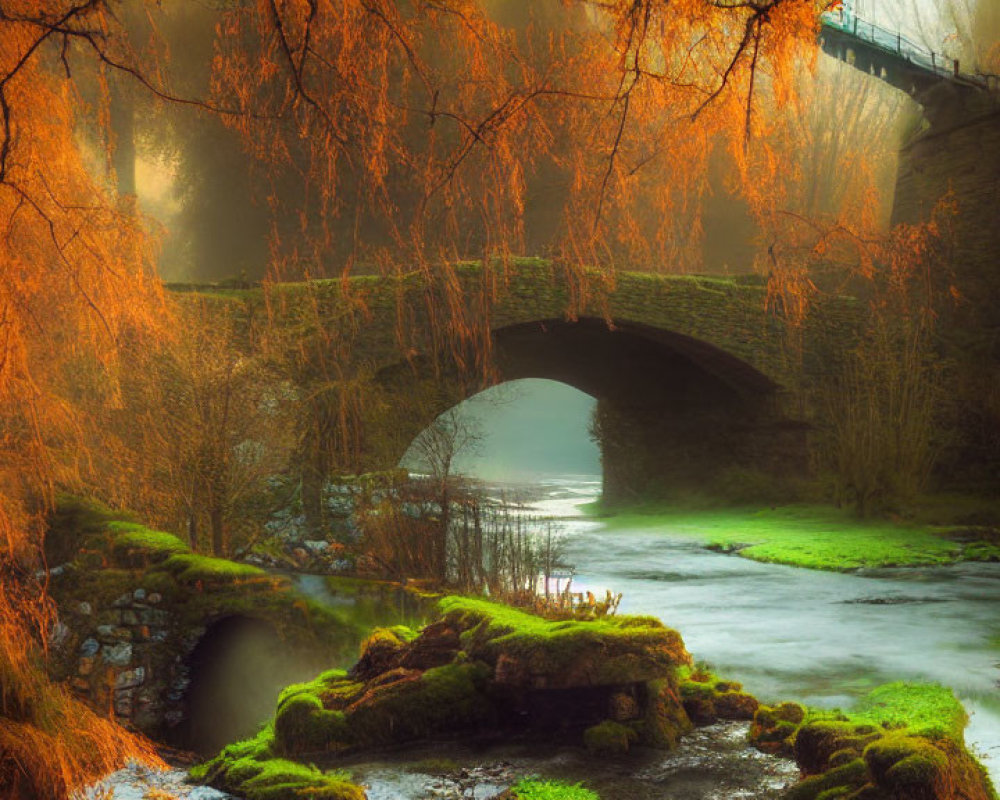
(810, 536)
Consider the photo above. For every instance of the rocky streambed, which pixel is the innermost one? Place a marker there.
(711, 763)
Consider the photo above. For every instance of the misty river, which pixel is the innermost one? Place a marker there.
(821, 638)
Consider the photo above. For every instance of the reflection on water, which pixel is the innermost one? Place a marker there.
(366, 605)
(820, 637)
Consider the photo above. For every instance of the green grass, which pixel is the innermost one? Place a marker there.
(190, 568)
(815, 537)
(132, 540)
(531, 789)
(921, 709)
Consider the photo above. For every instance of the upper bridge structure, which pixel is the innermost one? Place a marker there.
(894, 58)
(696, 377)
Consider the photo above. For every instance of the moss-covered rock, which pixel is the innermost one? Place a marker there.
(664, 719)
(708, 699)
(453, 679)
(528, 651)
(773, 729)
(900, 742)
(609, 738)
(837, 782)
(252, 769)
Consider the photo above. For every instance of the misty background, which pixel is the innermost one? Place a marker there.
(528, 429)
(215, 207)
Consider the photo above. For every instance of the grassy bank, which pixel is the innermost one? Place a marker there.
(814, 537)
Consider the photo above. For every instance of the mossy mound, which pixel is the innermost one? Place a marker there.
(529, 651)
(708, 699)
(335, 713)
(252, 770)
(901, 742)
(608, 738)
(452, 679)
(773, 730)
(478, 661)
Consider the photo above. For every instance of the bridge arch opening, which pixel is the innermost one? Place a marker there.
(673, 414)
(525, 429)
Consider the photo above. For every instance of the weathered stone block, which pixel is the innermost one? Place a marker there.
(117, 655)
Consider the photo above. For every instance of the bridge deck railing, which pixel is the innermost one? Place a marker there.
(894, 43)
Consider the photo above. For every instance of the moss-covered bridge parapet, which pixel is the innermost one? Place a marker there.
(379, 321)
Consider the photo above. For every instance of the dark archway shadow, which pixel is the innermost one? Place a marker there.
(236, 671)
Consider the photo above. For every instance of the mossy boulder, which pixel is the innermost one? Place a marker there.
(450, 680)
(773, 730)
(528, 651)
(900, 742)
(466, 670)
(380, 652)
(708, 699)
(664, 718)
(251, 769)
(609, 738)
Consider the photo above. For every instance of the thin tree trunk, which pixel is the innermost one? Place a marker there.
(123, 129)
(218, 530)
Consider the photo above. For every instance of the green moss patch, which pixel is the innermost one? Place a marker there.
(533, 789)
(609, 738)
(138, 545)
(814, 537)
(251, 769)
(190, 568)
(609, 651)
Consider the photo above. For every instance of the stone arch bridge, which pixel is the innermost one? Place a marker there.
(696, 379)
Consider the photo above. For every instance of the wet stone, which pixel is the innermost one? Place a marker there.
(130, 678)
(154, 598)
(84, 608)
(154, 617)
(90, 647)
(128, 617)
(139, 594)
(137, 782)
(59, 634)
(118, 655)
(106, 633)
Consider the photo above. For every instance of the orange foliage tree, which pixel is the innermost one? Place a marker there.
(76, 272)
(425, 121)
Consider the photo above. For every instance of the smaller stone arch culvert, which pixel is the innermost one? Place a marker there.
(236, 671)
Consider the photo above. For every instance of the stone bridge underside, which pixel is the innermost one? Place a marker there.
(695, 378)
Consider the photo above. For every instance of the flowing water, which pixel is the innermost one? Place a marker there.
(819, 637)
